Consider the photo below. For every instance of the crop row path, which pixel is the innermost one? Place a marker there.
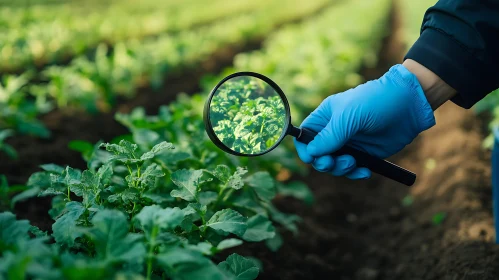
(67, 124)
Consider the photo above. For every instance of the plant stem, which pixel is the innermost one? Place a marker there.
(151, 251)
(228, 194)
(133, 214)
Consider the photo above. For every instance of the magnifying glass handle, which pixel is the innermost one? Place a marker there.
(377, 165)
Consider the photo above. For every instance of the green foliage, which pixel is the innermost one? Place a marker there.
(152, 208)
(247, 115)
(4, 147)
(113, 251)
(93, 82)
(18, 112)
(7, 191)
(242, 268)
(438, 218)
(34, 34)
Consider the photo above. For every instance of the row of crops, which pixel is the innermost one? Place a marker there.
(44, 34)
(94, 82)
(163, 201)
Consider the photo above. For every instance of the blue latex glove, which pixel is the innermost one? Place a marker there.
(379, 117)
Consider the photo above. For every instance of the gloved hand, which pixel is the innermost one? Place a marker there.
(379, 117)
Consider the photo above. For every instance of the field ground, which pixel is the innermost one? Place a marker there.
(441, 228)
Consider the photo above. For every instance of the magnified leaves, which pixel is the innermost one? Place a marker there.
(247, 115)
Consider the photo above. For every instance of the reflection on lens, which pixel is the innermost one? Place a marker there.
(247, 115)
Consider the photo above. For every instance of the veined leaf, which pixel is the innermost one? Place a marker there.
(229, 179)
(112, 241)
(12, 230)
(188, 182)
(259, 228)
(152, 172)
(156, 150)
(184, 264)
(222, 173)
(236, 181)
(241, 267)
(263, 184)
(40, 180)
(228, 221)
(154, 216)
(64, 228)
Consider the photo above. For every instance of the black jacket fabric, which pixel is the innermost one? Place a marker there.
(459, 42)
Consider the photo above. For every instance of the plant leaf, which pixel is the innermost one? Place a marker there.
(241, 267)
(274, 243)
(12, 230)
(112, 241)
(297, 190)
(158, 148)
(228, 221)
(64, 229)
(154, 216)
(52, 168)
(188, 182)
(184, 264)
(263, 184)
(208, 197)
(229, 243)
(236, 180)
(259, 228)
(29, 193)
(149, 176)
(222, 173)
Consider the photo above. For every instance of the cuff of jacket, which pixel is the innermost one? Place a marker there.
(454, 64)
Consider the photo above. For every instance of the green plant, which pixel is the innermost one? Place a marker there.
(4, 147)
(17, 111)
(114, 252)
(178, 213)
(159, 211)
(41, 34)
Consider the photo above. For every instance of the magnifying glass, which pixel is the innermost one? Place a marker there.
(247, 114)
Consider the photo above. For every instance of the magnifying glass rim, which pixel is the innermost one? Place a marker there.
(206, 113)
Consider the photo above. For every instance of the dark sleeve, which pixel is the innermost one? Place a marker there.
(459, 42)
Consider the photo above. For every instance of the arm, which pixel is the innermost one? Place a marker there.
(459, 43)
(436, 91)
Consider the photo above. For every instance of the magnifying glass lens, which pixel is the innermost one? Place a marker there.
(247, 115)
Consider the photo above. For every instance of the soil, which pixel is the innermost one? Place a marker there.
(358, 230)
